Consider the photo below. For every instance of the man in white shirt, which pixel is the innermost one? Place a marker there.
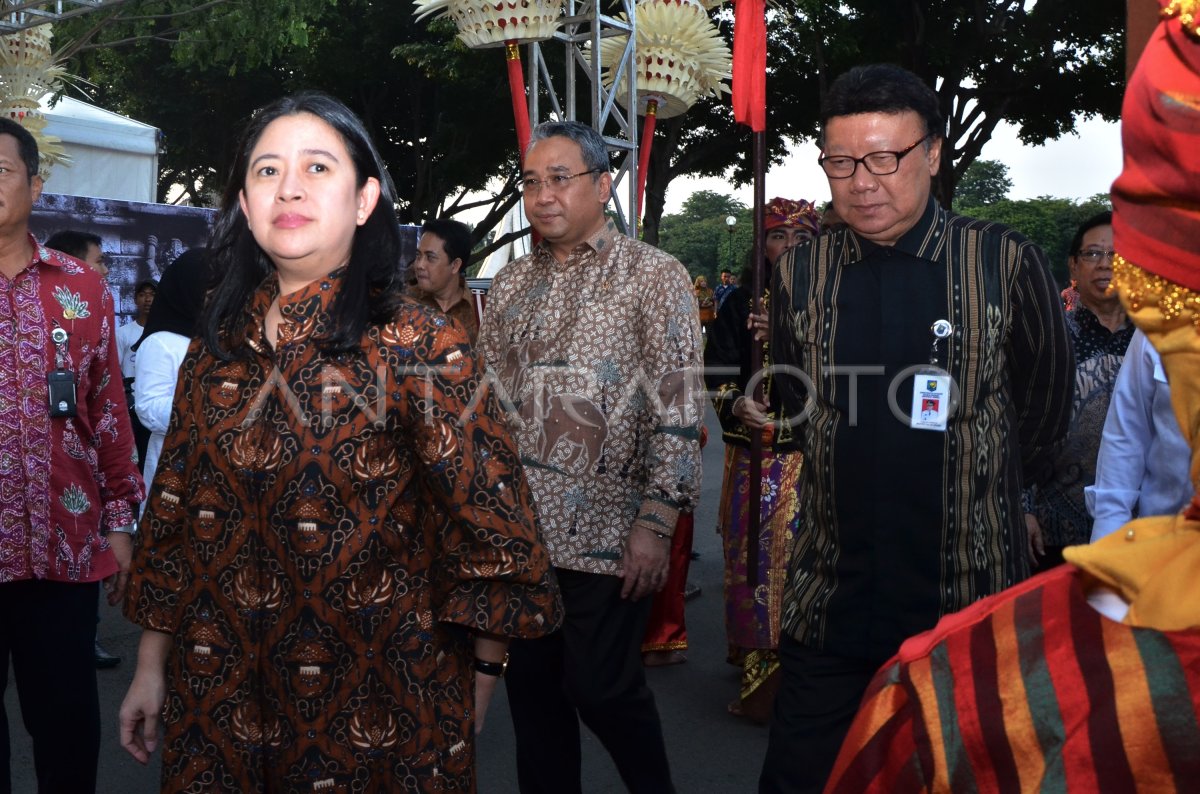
(129, 333)
(1142, 469)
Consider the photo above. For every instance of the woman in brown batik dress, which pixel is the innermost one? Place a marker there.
(339, 529)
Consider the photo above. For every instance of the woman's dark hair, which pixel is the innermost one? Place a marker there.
(373, 277)
(179, 297)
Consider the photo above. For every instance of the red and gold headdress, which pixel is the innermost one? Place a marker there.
(1156, 199)
(1154, 562)
(789, 212)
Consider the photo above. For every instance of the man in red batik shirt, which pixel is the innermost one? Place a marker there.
(69, 483)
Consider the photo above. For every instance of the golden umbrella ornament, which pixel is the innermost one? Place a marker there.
(27, 74)
(679, 58)
(501, 23)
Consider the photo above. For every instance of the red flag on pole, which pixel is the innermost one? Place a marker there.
(750, 64)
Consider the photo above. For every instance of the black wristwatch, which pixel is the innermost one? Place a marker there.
(492, 668)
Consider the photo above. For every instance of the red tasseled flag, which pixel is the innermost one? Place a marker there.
(750, 64)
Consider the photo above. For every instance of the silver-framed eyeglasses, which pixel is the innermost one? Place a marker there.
(1093, 255)
(878, 163)
(555, 181)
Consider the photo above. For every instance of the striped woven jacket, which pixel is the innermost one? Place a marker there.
(1030, 690)
(900, 526)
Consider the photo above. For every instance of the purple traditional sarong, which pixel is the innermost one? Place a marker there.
(752, 618)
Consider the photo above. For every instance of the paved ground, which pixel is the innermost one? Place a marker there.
(711, 752)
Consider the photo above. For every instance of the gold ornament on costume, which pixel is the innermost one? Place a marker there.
(1141, 288)
(27, 74)
(680, 56)
(494, 23)
(1188, 12)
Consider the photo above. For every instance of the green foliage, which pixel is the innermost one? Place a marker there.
(699, 237)
(438, 112)
(984, 182)
(242, 36)
(1049, 222)
(441, 114)
(1037, 65)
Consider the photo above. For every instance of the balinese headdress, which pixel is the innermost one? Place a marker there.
(789, 212)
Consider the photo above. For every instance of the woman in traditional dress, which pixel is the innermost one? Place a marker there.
(340, 539)
(752, 614)
(706, 302)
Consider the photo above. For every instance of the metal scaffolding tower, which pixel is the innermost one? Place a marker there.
(18, 15)
(581, 31)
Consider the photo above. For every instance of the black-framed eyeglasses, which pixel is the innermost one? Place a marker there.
(1093, 256)
(554, 182)
(878, 163)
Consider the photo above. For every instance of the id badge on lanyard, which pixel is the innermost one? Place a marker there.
(60, 381)
(931, 387)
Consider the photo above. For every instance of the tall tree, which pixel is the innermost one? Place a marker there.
(706, 142)
(699, 237)
(441, 115)
(1049, 222)
(1038, 65)
(984, 182)
(422, 94)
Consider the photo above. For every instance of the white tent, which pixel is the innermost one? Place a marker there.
(112, 156)
(513, 219)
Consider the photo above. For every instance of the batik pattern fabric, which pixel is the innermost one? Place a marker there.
(64, 481)
(1030, 690)
(464, 310)
(1059, 503)
(597, 358)
(322, 532)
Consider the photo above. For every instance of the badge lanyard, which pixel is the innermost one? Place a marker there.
(931, 386)
(60, 381)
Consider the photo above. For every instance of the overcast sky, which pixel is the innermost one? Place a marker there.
(1075, 166)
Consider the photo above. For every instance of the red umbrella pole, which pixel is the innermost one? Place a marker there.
(516, 86)
(644, 144)
(758, 282)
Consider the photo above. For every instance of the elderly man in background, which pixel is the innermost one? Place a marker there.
(932, 376)
(595, 337)
(1055, 512)
(1087, 677)
(69, 484)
